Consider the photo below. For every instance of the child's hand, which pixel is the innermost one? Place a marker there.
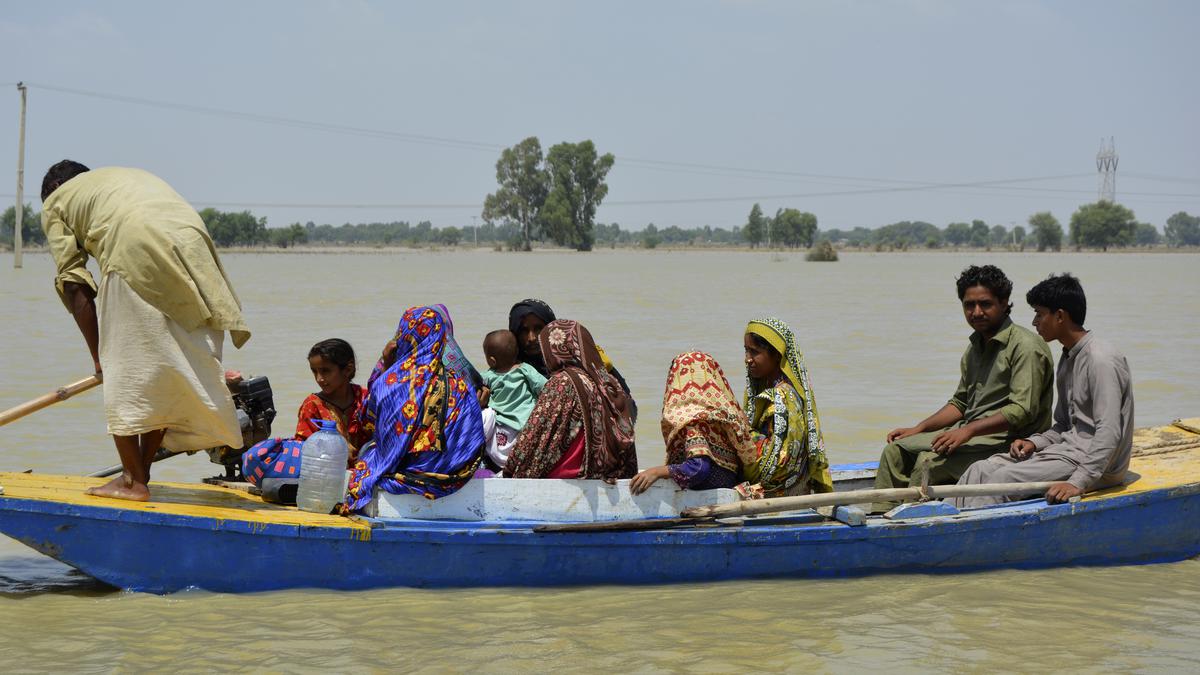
(642, 482)
(484, 395)
(389, 354)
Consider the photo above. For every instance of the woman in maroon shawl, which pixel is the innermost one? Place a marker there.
(581, 426)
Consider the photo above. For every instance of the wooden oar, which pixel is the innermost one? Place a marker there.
(115, 469)
(777, 504)
(60, 394)
(701, 515)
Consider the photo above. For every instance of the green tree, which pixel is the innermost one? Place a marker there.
(1146, 235)
(998, 236)
(450, 236)
(650, 237)
(524, 186)
(235, 229)
(423, 232)
(1182, 230)
(755, 230)
(31, 226)
(907, 233)
(793, 228)
(289, 236)
(1019, 234)
(957, 234)
(577, 186)
(824, 252)
(1046, 230)
(980, 233)
(1103, 224)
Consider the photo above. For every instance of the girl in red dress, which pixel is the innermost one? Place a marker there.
(333, 368)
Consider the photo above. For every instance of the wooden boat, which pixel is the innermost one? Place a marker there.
(220, 539)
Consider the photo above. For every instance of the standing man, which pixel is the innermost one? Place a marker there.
(155, 324)
(1088, 447)
(1005, 391)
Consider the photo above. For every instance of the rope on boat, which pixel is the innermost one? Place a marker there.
(1168, 444)
(1164, 448)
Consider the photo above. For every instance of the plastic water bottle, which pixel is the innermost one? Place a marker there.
(322, 469)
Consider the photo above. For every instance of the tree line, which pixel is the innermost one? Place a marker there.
(1098, 225)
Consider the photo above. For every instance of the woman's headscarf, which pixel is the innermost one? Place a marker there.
(609, 451)
(701, 416)
(778, 335)
(518, 312)
(428, 426)
(452, 354)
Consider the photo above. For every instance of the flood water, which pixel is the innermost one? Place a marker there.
(882, 335)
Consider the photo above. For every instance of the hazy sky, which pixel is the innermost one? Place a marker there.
(356, 111)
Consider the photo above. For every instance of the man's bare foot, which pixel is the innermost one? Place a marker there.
(122, 488)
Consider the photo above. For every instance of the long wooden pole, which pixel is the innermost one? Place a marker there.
(115, 469)
(701, 515)
(20, 208)
(60, 394)
(777, 504)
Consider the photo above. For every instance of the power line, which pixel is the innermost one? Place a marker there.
(673, 201)
(286, 121)
(635, 162)
(799, 174)
(1163, 179)
(892, 185)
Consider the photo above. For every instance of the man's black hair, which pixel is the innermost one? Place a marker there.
(59, 174)
(1060, 291)
(991, 278)
(336, 351)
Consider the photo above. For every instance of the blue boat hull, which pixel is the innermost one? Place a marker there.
(162, 553)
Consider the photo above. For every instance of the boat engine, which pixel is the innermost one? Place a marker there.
(255, 411)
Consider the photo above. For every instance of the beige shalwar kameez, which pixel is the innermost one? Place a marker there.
(163, 304)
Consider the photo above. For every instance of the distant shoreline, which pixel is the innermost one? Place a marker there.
(383, 250)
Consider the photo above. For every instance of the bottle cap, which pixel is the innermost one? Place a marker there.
(325, 425)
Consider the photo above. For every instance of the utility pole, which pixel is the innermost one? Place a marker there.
(20, 207)
(1106, 165)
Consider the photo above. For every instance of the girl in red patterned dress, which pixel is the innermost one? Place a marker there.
(333, 367)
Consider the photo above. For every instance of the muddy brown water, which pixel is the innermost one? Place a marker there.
(882, 335)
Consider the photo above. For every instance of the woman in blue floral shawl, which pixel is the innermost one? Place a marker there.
(452, 355)
(428, 426)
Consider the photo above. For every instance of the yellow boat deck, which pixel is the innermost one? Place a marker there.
(183, 499)
(1163, 457)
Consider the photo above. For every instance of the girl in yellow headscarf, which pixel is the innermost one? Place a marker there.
(789, 452)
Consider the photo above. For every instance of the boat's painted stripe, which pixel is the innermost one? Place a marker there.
(857, 466)
(787, 529)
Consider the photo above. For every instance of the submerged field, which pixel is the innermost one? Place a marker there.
(882, 335)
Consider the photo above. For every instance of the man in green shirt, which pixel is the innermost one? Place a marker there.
(1005, 392)
(156, 322)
